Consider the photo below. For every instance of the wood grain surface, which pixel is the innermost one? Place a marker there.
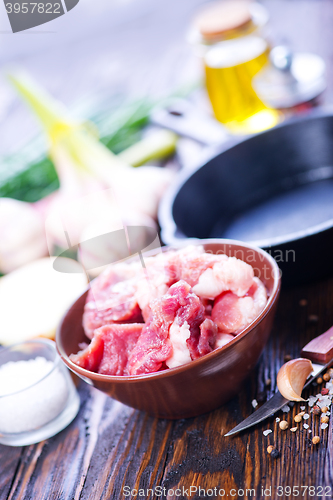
(109, 446)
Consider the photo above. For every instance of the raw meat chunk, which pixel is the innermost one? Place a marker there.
(168, 268)
(223, 339)
(230, 274)
(119, 341)
(190, 262)
(90, 357)
(207, 339)
(178, 305)
(115, 304)
(232, 313)
(180, 352)
(109, 349)
(259, 294)
(187, 344)
(158, 276)
(112, 275)
(147, 290)
(122, 293)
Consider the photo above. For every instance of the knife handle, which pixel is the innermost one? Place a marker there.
(320, 349)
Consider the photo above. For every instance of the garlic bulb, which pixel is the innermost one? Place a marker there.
(22, 234)
(142, 188)
(85, 167)
(292, 376)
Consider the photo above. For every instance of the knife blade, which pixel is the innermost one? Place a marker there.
(320, 349)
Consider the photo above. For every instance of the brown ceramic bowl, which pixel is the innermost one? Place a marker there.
(203, 384)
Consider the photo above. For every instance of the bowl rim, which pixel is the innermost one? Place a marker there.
(97, 377)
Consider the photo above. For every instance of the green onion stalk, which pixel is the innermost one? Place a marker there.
(99, 191)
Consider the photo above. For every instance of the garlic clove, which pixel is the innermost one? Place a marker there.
(292, 376)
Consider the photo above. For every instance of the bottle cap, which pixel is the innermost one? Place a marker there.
(219, 19)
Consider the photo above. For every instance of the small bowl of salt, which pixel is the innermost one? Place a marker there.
(38, 398)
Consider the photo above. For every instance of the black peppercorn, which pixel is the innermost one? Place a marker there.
(275, 453)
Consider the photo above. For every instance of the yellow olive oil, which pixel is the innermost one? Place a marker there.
(230, 67)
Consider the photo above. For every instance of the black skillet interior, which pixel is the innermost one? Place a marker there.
(274, 189)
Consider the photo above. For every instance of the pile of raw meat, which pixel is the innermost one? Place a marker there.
(176, 308)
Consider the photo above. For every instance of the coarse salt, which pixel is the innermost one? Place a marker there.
(306, 416)
(267, 431)
(323, 426)
(302, 408)
(305, 426)
(277, 420)
(324, 401)
(32, 393)
(312, 400)
(18, 375)
(254, 403)
(285, 408)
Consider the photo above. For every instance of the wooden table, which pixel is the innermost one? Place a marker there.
(109, 446)
(110, 451)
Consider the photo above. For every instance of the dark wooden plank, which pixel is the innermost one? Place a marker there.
(9, 462)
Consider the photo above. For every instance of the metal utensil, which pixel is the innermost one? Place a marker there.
(319, 350)
(183, 117)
